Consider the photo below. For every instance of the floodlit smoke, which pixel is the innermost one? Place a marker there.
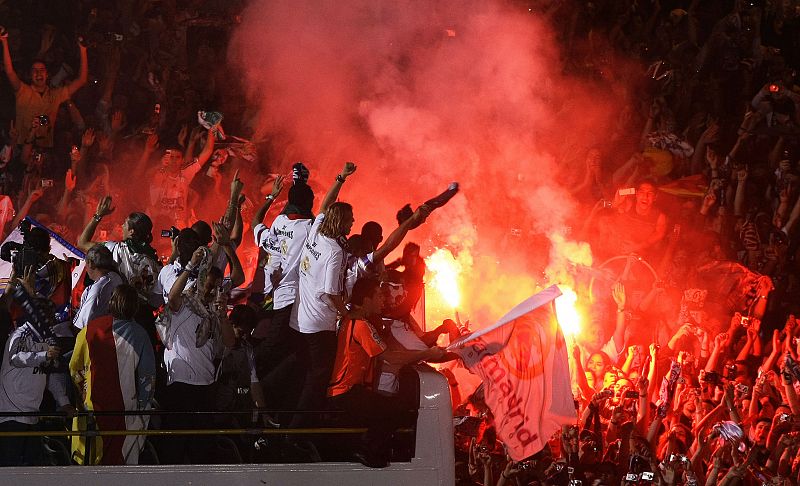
(420, 94)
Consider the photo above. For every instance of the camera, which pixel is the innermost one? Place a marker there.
(784, 417)
(745, 321)
(525, 466)
(47, 182)
(113, 37)
(711, 377)
(20, 255)
(575, 482)
(743, 389)
(647, 476)
(606, 203)
(44, 120)
(631, 477)
(631, 394)
(171, 233)
(605, 393)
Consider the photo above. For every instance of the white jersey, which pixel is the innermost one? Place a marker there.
(289, 235)
(95, 299)
(321, 271)
(186, 363)
(267, 242)
(22, 382)
(167, 277)
(139, 270)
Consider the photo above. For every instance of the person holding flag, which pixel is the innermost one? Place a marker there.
(522, 361)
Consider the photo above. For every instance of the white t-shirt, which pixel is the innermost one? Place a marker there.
(167, 277)
(288, 235)
(267, 242)
(185, 362)
(321, 269)
(137, 266)
(22, 383)
(95, 299)
(388, 382)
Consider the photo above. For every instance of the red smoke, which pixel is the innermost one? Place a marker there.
(419, 94)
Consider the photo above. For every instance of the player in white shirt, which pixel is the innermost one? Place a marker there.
(321, 296)
(287, 235)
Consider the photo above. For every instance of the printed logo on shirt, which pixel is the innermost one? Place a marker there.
(284, 247)
(305, 265)
(316, 254)
(283, 232)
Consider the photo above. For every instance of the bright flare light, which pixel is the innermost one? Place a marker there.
(445, 270)
(567, 313)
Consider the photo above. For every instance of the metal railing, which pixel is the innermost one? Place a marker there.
(92, 432)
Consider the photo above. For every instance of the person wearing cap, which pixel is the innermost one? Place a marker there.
(102, 270)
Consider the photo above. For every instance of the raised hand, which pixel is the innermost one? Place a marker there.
(197, 257)
(182, 134)
(70, 180)
(117, 121)
(348, 169)
(104, 207)
(236, 184)
(151, 143)
(618, 293)
(221, 234)
(36, 194)
(87, 140)
(277, 185)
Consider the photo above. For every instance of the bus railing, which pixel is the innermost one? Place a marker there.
(91, 432)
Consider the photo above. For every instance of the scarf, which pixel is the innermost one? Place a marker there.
(136, 246)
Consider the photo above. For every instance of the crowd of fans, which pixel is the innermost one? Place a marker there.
(694, 378)
(685, 373)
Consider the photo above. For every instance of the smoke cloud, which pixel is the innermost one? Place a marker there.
(420, 94)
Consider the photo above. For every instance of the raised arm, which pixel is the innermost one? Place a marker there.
(69, 185)
(277, 187)
(13, 79)
(83, 75)
(104, 208)
(150, 145)
(175, 300)
(223, 239)
(333, 192)
(618, 292)
(208, 149)
(396, 237)
(26, 206)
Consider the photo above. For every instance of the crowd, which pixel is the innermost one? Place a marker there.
(178, 332)
(685, 371)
